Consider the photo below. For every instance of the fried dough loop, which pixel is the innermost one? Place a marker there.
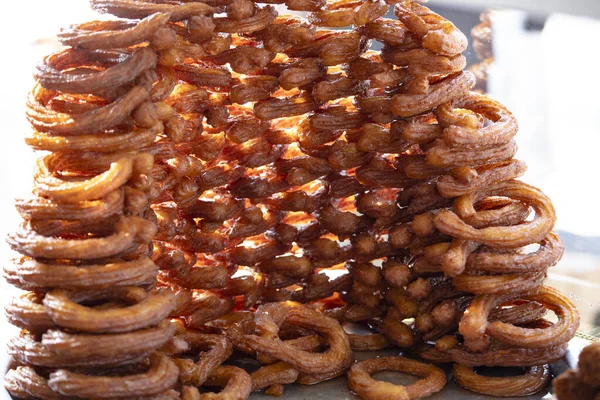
(112, 34)
(271, 316)
(534, 380)
(222, 177)
(360, 381)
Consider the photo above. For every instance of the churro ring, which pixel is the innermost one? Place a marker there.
(96, 119)
(548, 254)
(408, 105)
(121, 68)
(560, 332)
(39, 208)
(500, 356)
(30, 274)
(112, 34)
(502, 129)
(502, 237)
(360, 381)
(26, 350)
(437, 33)
(141, 9)
(499, 284)
(67, 191)
(532, 381)
(129, 140)
(449, 186)
(259, 21)
(129, 231)
(444, 156)
(268, 319)
(337, 14)
(147, 309)
(160, 377)
(133, 343)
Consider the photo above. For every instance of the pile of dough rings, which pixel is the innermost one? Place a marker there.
(221, 182)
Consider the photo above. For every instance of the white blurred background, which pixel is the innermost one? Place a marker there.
(546, 70)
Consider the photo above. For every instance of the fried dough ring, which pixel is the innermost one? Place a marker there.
(437, 33)
(161, 376)
(133, 343)
(270, 317)
(519, 312)
(504, 236)
(112, 34)
(128, 231)
(122, 67)
(360, 381)
(141, 9)
(407, 105)
(499, 284)
(147, 309)
(535, 379)
(441, 155)
(69, 191)
(423, 61)
(337, 14)
(502, 130)
(473, 324)
(560, 332)
(448, 186)
(509, 357)
(496, 212)
(30, 274)
(39, 208)
(26, 350)
(549, 253)
(107, 142)
(259, 21)
(98, 119)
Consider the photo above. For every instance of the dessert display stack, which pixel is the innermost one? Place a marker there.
(223, 178)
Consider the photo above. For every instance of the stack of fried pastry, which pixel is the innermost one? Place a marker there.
(225, 178)
(90, 321)
(584, 382)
